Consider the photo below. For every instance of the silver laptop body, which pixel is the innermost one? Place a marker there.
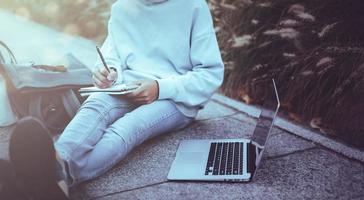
(232, 160)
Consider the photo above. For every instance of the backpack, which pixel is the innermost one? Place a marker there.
(46, 92)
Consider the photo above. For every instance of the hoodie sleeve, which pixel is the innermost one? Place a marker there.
(198, 85)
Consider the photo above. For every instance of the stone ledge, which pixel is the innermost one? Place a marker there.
(294, 128)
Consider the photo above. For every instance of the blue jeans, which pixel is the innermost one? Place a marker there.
(107, 128)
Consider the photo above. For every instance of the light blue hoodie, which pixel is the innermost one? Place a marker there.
(173, 42)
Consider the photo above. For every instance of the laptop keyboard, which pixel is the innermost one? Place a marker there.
(225, 158)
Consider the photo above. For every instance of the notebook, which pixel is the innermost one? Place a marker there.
(119, 89)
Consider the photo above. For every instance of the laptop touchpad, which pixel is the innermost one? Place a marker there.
(191, 157)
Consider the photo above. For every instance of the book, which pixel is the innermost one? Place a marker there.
(119, 89)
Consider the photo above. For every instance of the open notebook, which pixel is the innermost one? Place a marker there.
(119, 89)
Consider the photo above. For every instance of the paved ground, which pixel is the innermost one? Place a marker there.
(293, 167)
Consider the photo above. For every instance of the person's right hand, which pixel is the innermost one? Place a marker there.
(103, 79)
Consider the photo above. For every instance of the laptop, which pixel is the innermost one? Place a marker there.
(230, 160)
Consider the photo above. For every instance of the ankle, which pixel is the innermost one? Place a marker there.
(62, 174)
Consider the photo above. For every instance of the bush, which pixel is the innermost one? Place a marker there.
(314, 49)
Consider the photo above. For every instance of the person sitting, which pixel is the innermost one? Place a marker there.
(169, 49)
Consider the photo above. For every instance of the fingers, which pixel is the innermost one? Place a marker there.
(136, 93)
(141, 96)
(112, 76)
(144, 94)
(101, 80)
(138, 82)
(100, 74)
(107, 76)
(104, 72)
(100, 84)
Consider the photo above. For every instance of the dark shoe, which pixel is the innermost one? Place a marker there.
(34, 159)
(10, 187)
(7, 180)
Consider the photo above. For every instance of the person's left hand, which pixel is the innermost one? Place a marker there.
(146, 93)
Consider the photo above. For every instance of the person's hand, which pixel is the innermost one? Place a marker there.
(146, 93)
(103, 79)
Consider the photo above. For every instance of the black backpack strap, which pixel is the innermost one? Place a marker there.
(11, 54)
(2, 59)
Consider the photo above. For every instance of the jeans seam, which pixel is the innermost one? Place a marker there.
(150, 126)
(102, 116)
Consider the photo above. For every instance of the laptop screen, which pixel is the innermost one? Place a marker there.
(262, 128)
(262, 131)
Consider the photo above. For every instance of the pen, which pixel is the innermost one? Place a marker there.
(102, 59)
